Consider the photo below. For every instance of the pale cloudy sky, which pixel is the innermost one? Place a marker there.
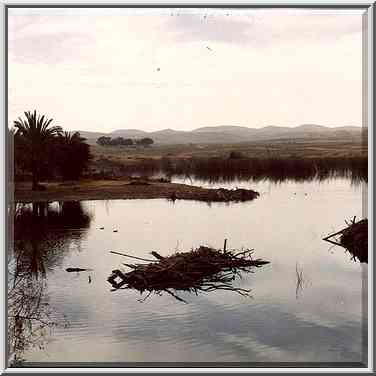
(151, 69)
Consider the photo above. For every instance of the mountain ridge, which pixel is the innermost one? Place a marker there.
(232, 133)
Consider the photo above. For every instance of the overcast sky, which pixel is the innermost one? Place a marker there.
(151, 69)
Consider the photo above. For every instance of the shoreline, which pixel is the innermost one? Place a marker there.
(127, 189)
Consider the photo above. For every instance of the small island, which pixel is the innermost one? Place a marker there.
(127, 188)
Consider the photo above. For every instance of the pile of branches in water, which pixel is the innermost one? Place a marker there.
(354, 238)
(204, 269)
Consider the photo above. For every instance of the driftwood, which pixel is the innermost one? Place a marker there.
(157, 255)
(204, 269)
(354, 238)
(77, 270)
(124, 254)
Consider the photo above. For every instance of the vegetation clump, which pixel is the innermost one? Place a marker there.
(203, 269)
(72, 155)
(240, 167)
(45, 151)
(238, 194)
(108, 141)
(32, 138)
(355, 239)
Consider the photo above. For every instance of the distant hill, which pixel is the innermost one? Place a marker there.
(233, 134)
(129, 133)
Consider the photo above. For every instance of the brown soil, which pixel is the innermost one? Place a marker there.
(127, 189)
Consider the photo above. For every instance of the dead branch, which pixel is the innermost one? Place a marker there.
(203, 269)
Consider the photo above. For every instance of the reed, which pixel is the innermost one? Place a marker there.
(228, 169)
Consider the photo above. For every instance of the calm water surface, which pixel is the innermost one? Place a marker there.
(317, 321)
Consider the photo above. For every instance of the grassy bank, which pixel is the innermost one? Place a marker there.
(277, 160)
(227, 169)
(111, 167)
(296, 148)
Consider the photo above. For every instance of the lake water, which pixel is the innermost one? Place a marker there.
(321, 320)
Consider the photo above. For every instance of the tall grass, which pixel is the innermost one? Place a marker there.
(229, 169)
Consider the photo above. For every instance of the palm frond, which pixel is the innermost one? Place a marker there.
(36, 128)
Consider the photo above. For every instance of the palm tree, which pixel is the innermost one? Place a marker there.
(71, 137)
(73, 155)
(37, 133)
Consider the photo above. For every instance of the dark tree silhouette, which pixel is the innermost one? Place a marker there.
(128, 142)
(35, 133)
(72, 155)
(146, 141)
(104, 140)
(117, 141)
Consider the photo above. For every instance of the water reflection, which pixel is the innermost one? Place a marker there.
(29, 314)
(220, 326)
(42, 235)
(44, 231)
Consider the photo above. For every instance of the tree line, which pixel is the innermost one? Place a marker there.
(47, 151)
(108, 141)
